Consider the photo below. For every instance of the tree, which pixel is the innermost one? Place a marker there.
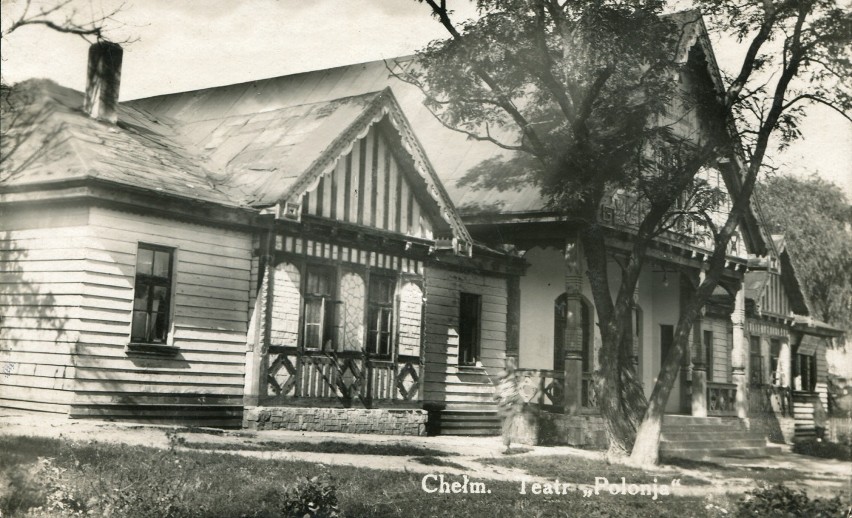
(811, 61)
(577, 92)
(60, 17)
(814, 217)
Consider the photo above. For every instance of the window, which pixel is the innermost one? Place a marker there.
(708, 353)
(756, 361)
(320, 311)
(380, 315)
(560, 327)
(666, 341)
(470, 315)
(774, 361)
(152, 295)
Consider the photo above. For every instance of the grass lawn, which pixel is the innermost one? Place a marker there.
(567, 467)
(135, 481)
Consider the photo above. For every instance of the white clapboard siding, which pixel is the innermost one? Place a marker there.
(42, 258)
(209, 314)
(444, 381)
(69, 274)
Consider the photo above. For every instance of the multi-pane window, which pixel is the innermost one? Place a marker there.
(470, 316)
(708, 353)
(756, 361)
(152, 295)
(319, 309)
(380, 315)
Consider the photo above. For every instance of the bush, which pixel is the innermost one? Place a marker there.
(780, 501)
(311, 497)
(823, 449)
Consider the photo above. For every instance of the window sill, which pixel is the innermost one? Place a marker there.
(143, 349)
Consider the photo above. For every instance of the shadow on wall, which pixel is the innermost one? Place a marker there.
(29, 317)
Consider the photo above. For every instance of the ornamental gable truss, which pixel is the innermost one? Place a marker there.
(375, 176)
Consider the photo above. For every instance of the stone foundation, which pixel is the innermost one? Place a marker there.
(384, 421)
(544, 428)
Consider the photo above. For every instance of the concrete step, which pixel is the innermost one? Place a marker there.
(703, 435)
(470, 421)
(699, 437)
(710, 445)
(748, 453)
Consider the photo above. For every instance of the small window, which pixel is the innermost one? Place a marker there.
(756, 361)
(708, 353)
(380, 315)
(319, 309)
(152, 295)
(470, 316)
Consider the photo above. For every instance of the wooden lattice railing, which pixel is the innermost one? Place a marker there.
(543, 388)
(721, 399)
(350, 377)
(589, 398)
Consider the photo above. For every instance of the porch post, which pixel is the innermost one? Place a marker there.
(258, 332)
(573, 394)
(699, 373)
(699, 365)
(738, 353)
(635, 330)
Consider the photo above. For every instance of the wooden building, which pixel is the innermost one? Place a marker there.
(301, 252)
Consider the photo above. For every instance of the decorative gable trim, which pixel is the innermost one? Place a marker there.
(383, 106)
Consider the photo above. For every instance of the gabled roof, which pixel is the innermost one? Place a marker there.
(47, 139)
(255, 159)
(452, 154)
(759, 273)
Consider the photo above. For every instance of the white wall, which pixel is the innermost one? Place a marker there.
(543, 282)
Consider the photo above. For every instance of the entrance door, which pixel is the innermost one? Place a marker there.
(666, 344)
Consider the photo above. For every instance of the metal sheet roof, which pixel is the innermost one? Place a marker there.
(47, 138)
(452, 154)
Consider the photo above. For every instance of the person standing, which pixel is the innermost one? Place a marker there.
(509, 401)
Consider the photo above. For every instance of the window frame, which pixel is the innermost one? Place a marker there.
(709, 354)
(474, 347)
(775, 359)
(755, 364)
(328, 305)
(148, 345)
(387, 312)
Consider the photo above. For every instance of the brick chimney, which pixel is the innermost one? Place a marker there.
(102, 81)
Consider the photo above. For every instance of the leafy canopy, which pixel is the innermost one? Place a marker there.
(576, 93)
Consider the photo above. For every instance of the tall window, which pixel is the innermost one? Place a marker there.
(756, 361)
(774, 361)
(666, 341)
(560, 327)
(319, 309)
(380, 315)
(708, 353)
(152, 295)
(470, 316)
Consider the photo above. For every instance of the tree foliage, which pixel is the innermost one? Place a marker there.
(581, 95)
(815, 218)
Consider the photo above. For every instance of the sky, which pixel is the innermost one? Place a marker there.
(178, 45)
